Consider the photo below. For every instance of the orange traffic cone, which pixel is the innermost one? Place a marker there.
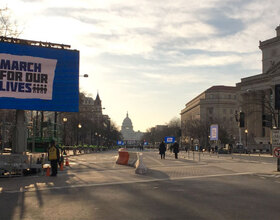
(67, 162)
(61, 166)
(48, 171)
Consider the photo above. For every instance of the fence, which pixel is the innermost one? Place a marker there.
(16, 164)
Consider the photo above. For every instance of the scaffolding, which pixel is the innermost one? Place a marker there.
(33, 43)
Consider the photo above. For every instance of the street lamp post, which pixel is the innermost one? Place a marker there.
(64, 130)
(246, 134)
(79, 127)
(96, 135)
(209, 144)
(99, 136)
(192, 147)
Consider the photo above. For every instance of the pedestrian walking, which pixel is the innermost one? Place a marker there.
(176, 149)
(186, 148)
(53, 156)
(162, 149)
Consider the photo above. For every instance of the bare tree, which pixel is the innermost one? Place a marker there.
(8, 26)
(263, 100)
(174, 122)
(200, 130)
(155, 135)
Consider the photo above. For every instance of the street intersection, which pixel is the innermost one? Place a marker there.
(95, 187)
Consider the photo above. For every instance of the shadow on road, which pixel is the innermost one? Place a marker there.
(156, 174)
(13, 192)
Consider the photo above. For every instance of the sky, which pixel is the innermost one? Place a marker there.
(150, 57)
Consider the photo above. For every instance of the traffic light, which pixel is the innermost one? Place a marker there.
(241, 119)
(179, 132)
(277, 97)
(266, 120)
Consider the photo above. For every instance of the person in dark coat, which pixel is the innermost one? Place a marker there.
(216, 149)
(162, 149)
(53, 156)
(176, 149)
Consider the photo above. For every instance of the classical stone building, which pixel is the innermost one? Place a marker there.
(216, 105)
(130, 137)
(257, 95)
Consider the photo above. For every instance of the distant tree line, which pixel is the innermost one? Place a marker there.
(157, 134)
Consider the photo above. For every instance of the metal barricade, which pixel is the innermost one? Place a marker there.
(13, 165)
(16, 164)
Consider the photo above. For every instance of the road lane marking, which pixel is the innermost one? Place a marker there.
(123, 182)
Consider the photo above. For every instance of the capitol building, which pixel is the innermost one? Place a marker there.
(130, 137)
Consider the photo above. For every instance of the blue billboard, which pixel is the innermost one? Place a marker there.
(169, 140)
(38, 78)
(120, 143)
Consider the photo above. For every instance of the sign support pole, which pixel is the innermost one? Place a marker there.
(278, 159)
(276, 153)
(20, 140)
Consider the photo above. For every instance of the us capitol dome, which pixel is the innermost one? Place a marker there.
(130, 137)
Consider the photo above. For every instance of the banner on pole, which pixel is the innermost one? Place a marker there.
(214, 131)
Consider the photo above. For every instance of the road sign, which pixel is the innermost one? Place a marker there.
(275, 138)
(276, 152)
(169, 140)
(214, 133)
(120, 143)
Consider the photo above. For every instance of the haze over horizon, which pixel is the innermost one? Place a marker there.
(147, 58)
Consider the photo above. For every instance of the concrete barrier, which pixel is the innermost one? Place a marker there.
(140, 166)
(123, 157)
(132, 158)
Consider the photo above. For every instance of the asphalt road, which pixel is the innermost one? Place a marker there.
(94, 187)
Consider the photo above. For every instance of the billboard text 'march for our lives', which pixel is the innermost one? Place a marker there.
(38, 78)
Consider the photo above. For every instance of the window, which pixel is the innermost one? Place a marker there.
(224, 111)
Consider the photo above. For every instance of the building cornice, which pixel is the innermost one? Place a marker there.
(269, 42)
